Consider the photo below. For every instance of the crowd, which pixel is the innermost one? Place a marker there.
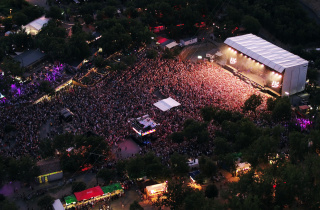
(24, 93)
(106, 108)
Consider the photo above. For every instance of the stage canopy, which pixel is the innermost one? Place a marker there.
(111, 188)
(57, 205)
(266, 53)
(70, 199)
(89, 193)
(156, 188)
(167, 104)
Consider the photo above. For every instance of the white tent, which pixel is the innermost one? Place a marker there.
(293, 68)
(156, 188)
(167, 104)
(57, 205)
(171, 45)
(35, 26)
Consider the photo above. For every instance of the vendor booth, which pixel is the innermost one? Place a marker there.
(156, 190)
(89, 193)
(71, 199)
(242, 168)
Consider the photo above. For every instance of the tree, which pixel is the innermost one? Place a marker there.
(55, 13)
(179, 164)
(8, 205)
(71, 162)
(11, 67)
(177, 137)
(46, 148)
(312, 75)
(23, 169)
(208, 113)
(63, 141)
(78, 187)
(135, 167)
(209, 168)
(135, 206)
(19, 18)
(211, 191)
(100, 15)
(45, 86)
(175, 196)
(45, 202)
(99, 62)
(200, 179)
(109, 11)
(152, 54)
(271, 103)
(222, 146)
(282, 109)
(298, 146)
(7, 22)
(252, 103)
(88, 19)
(251, 24)
(107, 175)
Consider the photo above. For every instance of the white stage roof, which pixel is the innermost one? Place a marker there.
(265, 52)
(167, 104)
(38, 23)
(57, 205)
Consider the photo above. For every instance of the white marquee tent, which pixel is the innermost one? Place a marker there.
(167, 104)
(292, 66)
(57, 205)
(35, 26)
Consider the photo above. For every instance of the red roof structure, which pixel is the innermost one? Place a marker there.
(161, 39)
(89, 193)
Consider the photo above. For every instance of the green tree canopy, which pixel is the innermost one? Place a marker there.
(45, 202)
(78, 186)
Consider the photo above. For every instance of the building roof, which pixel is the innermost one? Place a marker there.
(167, 42)
(38, 23)
(29, 57)
(265, 52)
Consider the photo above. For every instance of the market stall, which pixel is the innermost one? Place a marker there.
(242, 168)
(71, 199)
(89, 193)
(154, 191)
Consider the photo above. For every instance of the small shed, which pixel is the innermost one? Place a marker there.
(188, 41)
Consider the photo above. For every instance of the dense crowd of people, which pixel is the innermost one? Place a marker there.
(106, 108)
(24, 93)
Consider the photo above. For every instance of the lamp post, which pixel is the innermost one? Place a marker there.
(10, 11)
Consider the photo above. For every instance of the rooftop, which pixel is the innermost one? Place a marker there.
(265, 52)
(29, 57)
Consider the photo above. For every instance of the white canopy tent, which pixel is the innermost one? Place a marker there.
(167, 104)
(156, 188)
(57, 205)
(35, 26)
(171, 45)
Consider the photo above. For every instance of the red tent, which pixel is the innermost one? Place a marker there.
(161, 39)
(89, 193)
